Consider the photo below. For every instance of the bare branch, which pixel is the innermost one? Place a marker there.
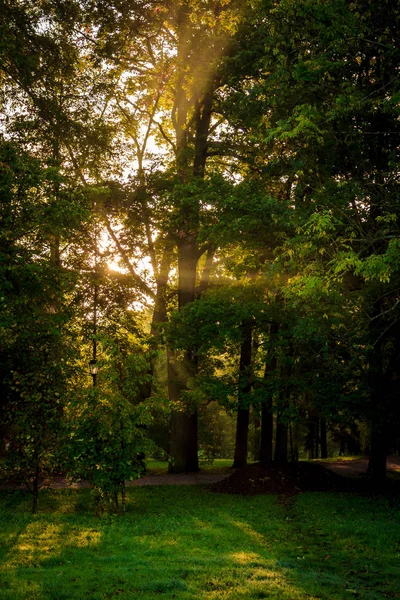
(142, 285)
(165, 136)
(386, 311)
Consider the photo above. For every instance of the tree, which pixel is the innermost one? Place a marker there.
(35, 341)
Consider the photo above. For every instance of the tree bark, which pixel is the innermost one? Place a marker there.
(267, 430)
(379, 404)
(317, 437)
(191, 133)
(267, 416)
(378, 454)
(281, 442)
(183, 443)
(184, 427)
(36, 484)
(244, 387)
(324, 441)
(282, 429)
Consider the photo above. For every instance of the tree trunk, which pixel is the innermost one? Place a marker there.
(267, 429)
(191, 117)
(281, 442)
(257, 436)
(378, 455)
(267, 416)
(379, 405)
(312, 436)
(123, 498)
(324, 441)
(183, 443)
(242, 431)
(183, 432)
(36, 485)
(244, 388)
(295, 433)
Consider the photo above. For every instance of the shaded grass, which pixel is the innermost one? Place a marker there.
(186, 543)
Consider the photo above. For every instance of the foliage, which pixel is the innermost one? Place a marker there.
(35, 340)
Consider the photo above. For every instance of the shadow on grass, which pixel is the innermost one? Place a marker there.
(186, 543)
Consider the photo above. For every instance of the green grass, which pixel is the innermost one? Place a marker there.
(159, 467)
(182, 542)
(337, 458)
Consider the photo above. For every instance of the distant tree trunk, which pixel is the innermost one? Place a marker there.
(312, 435)
(282, 429)
(123, 497)
(324, 441)
(267, 415)
(295, 433)
(281, 442)
(317, 437)
(244, 387)
(257, 437)
(36, 483)
(378, 455)
(267, 430)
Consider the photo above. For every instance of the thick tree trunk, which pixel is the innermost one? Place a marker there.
(244, 387)
(191, 117)
(183, 432)
(324, 440)
(183, 443)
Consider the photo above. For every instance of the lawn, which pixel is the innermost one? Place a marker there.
(185, 543)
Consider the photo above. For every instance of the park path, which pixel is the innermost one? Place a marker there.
(202, 478)
(359, 466)
(162, 479)
(347, 468)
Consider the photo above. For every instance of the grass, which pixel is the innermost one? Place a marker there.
(184, 543)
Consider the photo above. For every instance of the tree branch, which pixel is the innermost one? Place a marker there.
(142, 285)
(385, 311)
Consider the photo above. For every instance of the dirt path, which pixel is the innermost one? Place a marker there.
(167, 479)
(351, 468)
(204, 478)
